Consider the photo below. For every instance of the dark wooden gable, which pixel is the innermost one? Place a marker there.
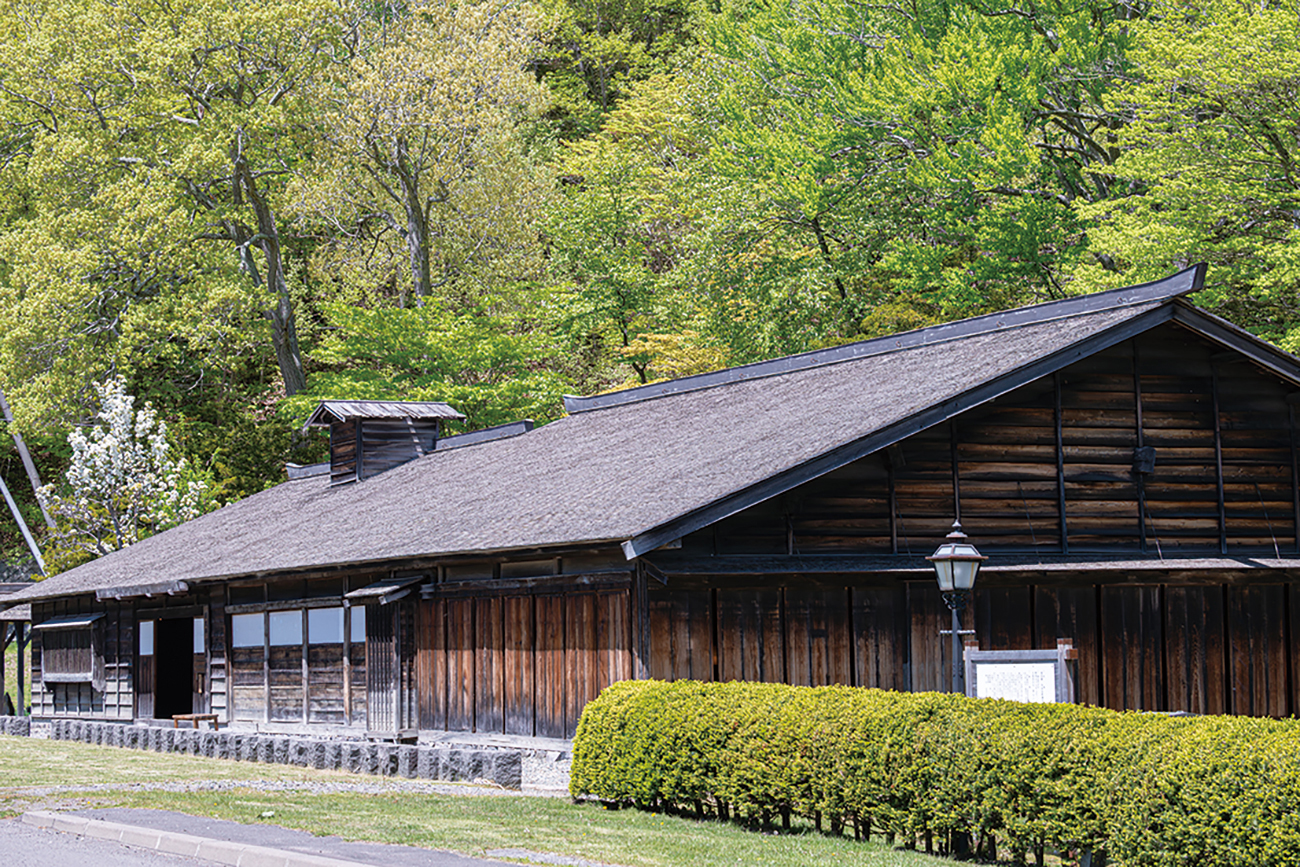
(1161, 445)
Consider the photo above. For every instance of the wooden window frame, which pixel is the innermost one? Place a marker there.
(61, 638)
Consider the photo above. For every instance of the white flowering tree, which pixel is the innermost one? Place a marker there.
(123, 483)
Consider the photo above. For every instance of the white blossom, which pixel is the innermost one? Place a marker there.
(123, 484)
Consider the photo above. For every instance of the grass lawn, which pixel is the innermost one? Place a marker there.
(11, 673)
(468, 824)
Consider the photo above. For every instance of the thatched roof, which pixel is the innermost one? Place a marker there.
(642, 467)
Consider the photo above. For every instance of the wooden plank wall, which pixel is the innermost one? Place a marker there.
(520, 662)
(1202, 648)
(218, 673)
(1050, 468)
(343, 452)
(387, 443)
(117, 642)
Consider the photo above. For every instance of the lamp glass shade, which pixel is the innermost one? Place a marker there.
(943, 570)
(956, 565)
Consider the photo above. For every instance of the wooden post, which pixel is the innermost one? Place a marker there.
(20, 706)
(266, 665)
(956, 478)
(347, 662)
(1060, 462)
(1139, 478)
(306, 689)
(893, 506)
(1218, 459)
(4, 647)
(1295, 472)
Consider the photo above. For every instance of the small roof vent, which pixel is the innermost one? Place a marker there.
(368, 437)
(331, 411)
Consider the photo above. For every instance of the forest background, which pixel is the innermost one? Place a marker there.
(240, 209)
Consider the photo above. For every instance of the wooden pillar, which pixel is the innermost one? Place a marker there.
(1295, 469)
(1218, 459)
(956, 476)
(1139, 478)
(20, 706)
(893, 504)
(640, 602)
(347, 663)
(4, 648)
(266, 666)
(1060, 461)
(306, 690)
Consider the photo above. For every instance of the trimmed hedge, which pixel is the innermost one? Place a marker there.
(1143, 789)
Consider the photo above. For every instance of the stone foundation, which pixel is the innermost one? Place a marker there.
(500, 767)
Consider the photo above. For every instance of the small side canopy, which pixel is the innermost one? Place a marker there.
(334, 411)
(16, 614)
(68, 621)
(385, 590)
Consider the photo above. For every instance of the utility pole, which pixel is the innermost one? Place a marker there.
(32, 476)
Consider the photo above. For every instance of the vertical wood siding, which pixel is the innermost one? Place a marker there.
(520, 663)
(1201, 648)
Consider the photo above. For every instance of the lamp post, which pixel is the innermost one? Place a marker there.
(956, 563)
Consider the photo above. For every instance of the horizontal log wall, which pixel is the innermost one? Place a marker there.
(1052, 468)
(1204, 648)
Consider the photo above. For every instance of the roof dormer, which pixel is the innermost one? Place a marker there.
(370, 436)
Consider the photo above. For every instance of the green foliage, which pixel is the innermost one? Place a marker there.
(489, 372)
(422, 176)
(1215, 112)
(622, 232)
(1144, 788)
(596, 50)
(924, 157)
(188, 189)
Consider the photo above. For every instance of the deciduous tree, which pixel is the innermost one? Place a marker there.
(123, 483)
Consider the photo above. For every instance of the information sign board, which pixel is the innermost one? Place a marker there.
(1022, 675)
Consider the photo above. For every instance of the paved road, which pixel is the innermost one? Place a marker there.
(81, 842)
(26, 846)
(284, 839)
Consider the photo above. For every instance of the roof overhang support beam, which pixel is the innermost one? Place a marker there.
(887, 436)
(162, 588)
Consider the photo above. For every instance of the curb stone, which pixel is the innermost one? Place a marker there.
(220, 851)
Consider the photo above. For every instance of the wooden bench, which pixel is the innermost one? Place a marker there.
(195, 719)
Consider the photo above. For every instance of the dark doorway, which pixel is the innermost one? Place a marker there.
(174, 692)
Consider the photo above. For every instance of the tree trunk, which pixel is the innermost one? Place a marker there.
(417, 227)
(284, 334)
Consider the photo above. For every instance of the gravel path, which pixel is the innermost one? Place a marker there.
(315, 787)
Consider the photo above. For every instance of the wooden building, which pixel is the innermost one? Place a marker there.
(1127, 461)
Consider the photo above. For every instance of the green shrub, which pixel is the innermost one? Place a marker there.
(1147, 789)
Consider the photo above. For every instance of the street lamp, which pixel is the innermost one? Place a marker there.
(956, 563)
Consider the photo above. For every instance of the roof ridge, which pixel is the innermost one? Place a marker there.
(1176, 285)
